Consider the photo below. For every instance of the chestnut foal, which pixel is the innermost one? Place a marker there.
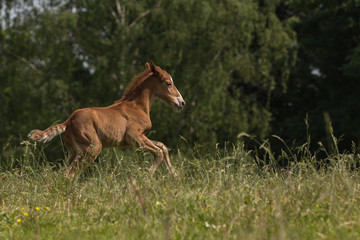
(123, 123)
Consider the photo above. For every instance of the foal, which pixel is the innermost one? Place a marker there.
(123, 123)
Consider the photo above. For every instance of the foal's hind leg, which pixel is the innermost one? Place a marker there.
(84, 157)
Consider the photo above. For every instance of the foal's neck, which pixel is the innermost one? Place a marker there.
(145, 99)
(143, 95)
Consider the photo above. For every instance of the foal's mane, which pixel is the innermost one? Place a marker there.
(136, 81)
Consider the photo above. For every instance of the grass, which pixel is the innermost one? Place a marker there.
(230, 194)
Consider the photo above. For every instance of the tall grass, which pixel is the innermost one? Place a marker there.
(231, 193)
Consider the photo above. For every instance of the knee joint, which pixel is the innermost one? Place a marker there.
(160, 153)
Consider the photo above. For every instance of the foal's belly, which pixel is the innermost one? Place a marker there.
(113, 136)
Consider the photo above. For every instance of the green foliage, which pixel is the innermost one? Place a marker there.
(233, 61)
(325, 78)
(226, 58)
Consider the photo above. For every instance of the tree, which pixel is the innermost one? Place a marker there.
(226, 58)
(324, 80)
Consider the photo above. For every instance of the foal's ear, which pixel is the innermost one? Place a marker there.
(152, 66)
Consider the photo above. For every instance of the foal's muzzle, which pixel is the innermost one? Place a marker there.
(179, 103)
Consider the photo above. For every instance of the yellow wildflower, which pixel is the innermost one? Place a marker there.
(317, 205)
(37, 208)
(22, 208)
(19, 220)
(47, 208)
(165, 202)
(200, 197)
(26, 214)
(165, 189)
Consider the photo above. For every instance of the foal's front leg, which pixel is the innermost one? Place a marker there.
(153, 149)
(166, 156)
(158, 150)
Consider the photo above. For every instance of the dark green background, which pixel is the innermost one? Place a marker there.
(242, 66)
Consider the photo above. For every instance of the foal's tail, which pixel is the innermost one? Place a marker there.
(48, 134)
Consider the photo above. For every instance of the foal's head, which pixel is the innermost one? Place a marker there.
(165, 89)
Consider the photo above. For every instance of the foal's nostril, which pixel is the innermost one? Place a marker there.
(183, 103)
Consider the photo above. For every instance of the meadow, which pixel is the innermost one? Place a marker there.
(229, 193)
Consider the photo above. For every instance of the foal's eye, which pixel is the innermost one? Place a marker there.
(168, 84)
